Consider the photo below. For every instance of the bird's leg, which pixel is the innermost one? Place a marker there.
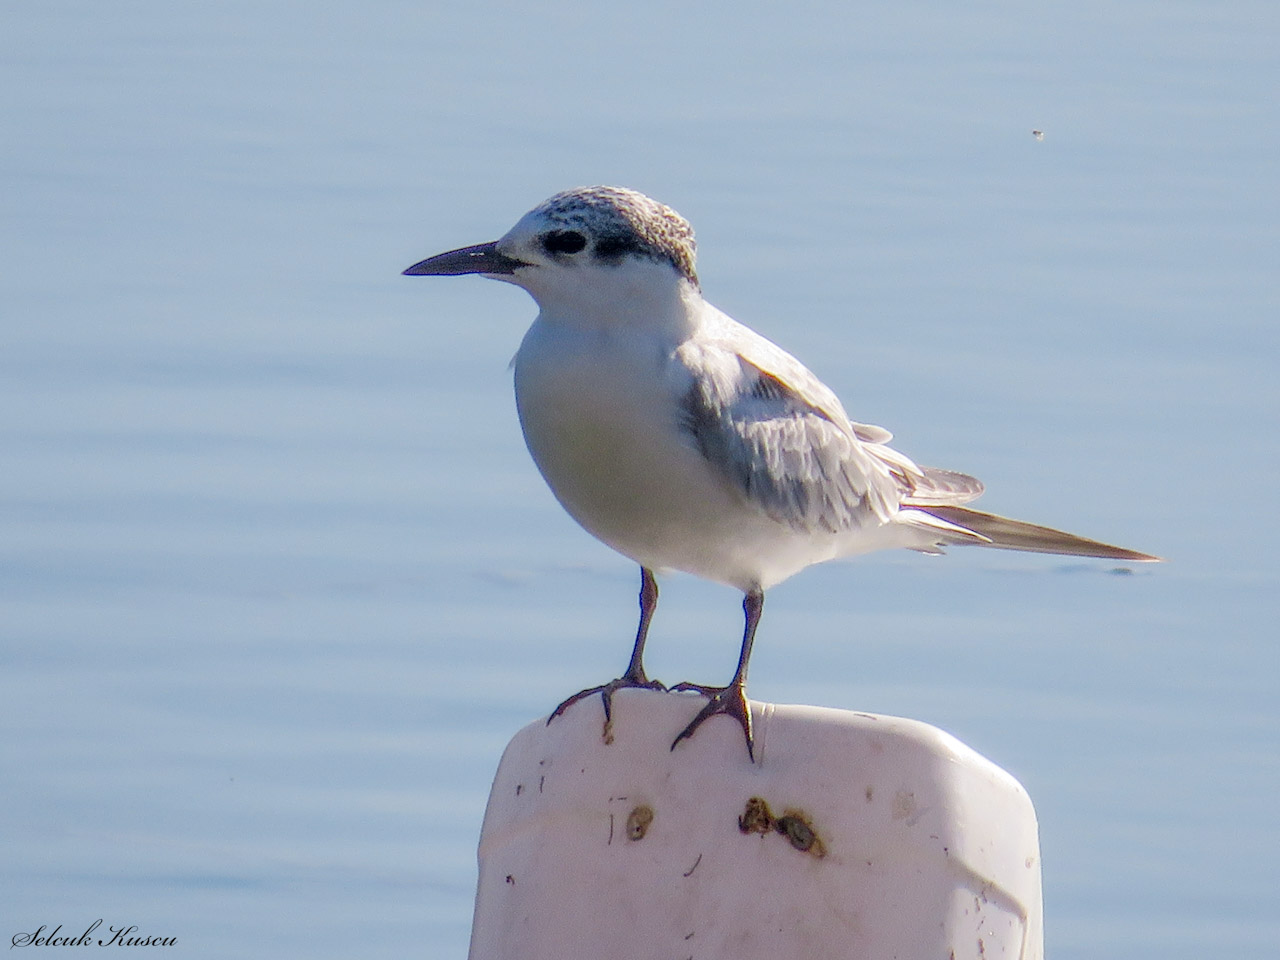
(730, 700)
(634, 675)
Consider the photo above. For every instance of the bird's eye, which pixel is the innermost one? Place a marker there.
(564, 241)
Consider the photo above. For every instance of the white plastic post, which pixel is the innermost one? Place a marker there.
(852, 836)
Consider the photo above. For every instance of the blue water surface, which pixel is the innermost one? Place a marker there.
(278, 580)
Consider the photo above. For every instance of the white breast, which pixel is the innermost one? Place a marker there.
(601, 416)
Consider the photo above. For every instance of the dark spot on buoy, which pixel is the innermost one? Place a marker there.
(756, 818)
(638, 822)
(798, 832)
(793, 824)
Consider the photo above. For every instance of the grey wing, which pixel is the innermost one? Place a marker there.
(802, 464)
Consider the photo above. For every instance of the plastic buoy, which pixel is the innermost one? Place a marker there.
(851, 836)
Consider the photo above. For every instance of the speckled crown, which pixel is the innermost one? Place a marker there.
(624, 223)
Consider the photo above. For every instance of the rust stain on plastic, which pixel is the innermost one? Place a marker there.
(794, 824)
(638, 822)
(756, 818)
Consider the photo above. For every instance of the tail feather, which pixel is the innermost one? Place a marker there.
(1006, 534)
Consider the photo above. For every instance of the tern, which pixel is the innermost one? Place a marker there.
(685, 440)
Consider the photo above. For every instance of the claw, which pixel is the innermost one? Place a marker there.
(634, 675)
(606, 691)
(730, 701)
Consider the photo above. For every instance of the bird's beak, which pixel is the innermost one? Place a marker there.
(482, 258)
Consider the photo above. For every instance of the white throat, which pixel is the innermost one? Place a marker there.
(637, 296)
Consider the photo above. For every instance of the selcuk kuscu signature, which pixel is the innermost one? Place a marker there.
(111, 937)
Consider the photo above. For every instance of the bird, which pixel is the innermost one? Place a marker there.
(686, 441)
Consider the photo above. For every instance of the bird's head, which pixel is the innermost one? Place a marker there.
(585, 248)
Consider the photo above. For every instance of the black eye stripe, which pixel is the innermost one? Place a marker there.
(617, 246)
(564, 241)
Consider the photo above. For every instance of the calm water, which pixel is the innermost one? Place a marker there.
(278, 581)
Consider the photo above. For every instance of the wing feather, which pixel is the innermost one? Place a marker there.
(938, 487)
(781, 436)
(791, 451)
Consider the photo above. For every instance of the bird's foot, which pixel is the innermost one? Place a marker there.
(730, 701)
(607, 690)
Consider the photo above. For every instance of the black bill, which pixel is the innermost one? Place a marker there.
(482, 258)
